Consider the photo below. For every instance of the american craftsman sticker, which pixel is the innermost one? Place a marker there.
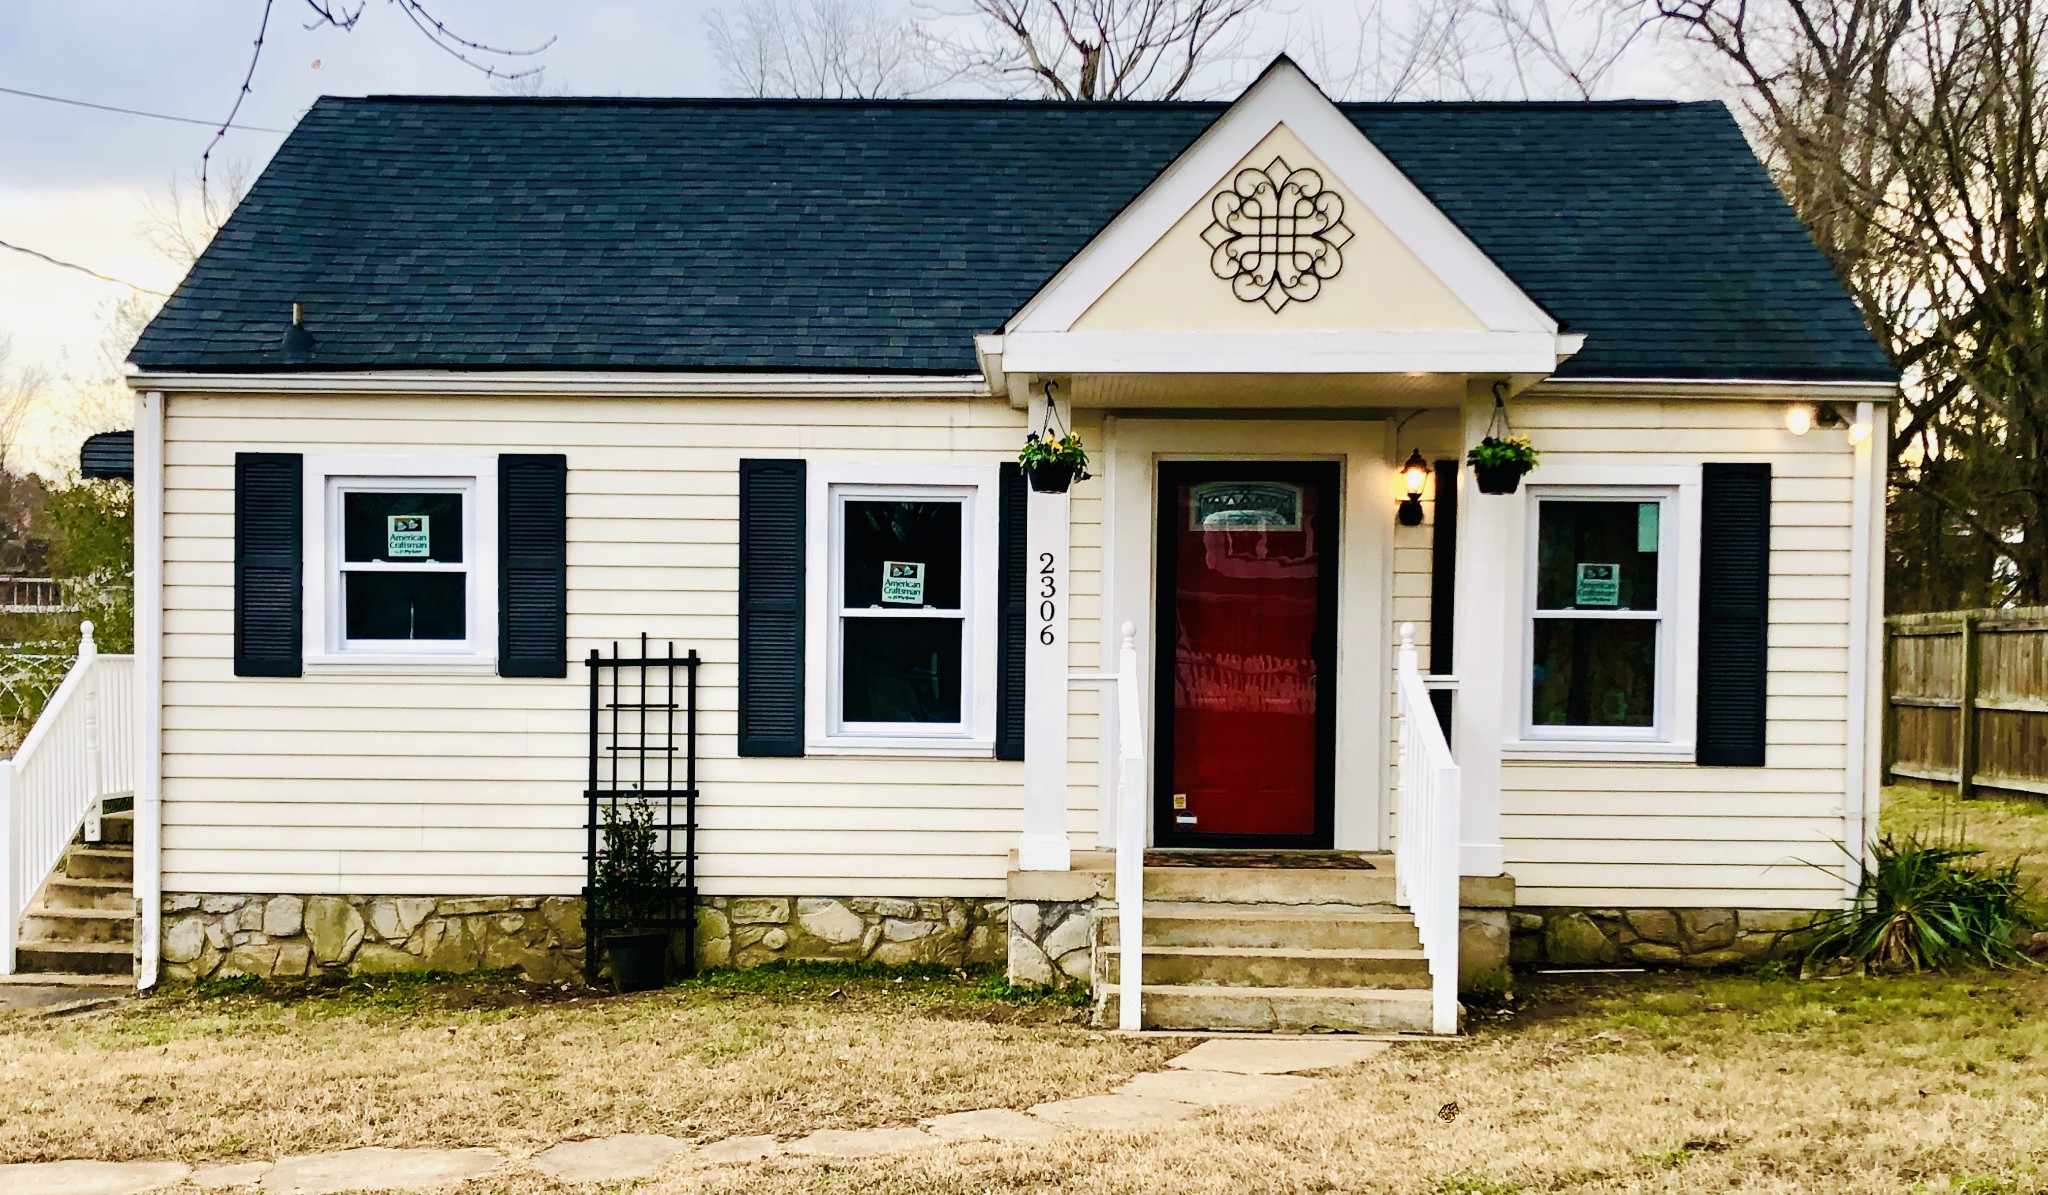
(1599, 585)
(1244, 506)
(405, 537)
(903, 582)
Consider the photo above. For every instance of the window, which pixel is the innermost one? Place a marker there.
(407, 563)
(1602, 588)
(908, 575)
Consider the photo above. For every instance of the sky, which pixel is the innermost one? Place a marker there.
(79, 184)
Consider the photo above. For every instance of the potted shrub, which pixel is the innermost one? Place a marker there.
(1052, 464)
(1498, 462)
(634, 896)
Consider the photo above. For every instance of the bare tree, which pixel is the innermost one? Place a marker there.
(1912, 137)
(19, 389)
(1475, 49)
(1090, 49)
(817, 49)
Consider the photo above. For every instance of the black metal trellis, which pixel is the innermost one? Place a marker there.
(643, 731)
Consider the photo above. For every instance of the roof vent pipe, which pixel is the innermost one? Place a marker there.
(298, 343)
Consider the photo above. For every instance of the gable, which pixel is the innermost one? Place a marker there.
(1376, 282)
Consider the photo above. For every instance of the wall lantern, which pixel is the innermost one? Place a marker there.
(1416, 475)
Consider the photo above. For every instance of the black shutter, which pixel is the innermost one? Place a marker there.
(1443, 589)
(1735, 594)
(269, 608)
(1013, 577)
(533, 564)
(772, 504)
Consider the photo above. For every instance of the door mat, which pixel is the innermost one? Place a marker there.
(1278, 860)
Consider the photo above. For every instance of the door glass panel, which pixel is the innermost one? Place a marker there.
(1247, 561)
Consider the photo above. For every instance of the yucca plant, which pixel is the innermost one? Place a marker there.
(1929, 906)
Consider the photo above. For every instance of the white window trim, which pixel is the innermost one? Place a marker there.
(1672, 737)
(326, 479)
(977, 485)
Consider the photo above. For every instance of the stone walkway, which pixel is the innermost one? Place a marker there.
(1221, 1072)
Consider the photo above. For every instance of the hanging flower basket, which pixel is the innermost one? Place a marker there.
(1500, 460)
(1052, 477)
(1053, 461)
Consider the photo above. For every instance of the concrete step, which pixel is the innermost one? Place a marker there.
(100, 863)
(65, 979)
(1268, 967)
(117, 829)
(44, 924)
(1269, 886)
(1204, 924)
(75, 958)
(62, 893)
(1287, 1010)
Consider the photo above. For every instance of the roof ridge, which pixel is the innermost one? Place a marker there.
(713, 101)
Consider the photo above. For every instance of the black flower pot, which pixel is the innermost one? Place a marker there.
(638, 960)
(1051, 477)
(1499, 479)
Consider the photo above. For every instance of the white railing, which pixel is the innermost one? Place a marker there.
(1426, 836)
(80, 752)
(1130, 835)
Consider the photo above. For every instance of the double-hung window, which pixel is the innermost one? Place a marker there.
(408, 556)
(905, 594)
(1603, 612)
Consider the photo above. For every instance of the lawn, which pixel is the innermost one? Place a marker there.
(406, 1062)
(2014, 828)
(1624, 1083)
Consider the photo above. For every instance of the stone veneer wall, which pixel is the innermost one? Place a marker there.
(289, 936)
(1051, 942)
(1697, 938)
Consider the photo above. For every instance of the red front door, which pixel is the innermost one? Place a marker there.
(1247, 614)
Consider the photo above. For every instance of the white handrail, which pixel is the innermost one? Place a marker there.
(1426, 836)
(79, 752)
(1130, 835)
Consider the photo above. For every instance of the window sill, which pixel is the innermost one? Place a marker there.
(399, 664)
(1595, 751)
(903, 748)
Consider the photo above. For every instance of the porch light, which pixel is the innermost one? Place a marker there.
(1859, 431)
(1416, 474)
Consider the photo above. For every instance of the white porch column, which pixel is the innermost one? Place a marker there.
(1486, 705)
(1044, 845)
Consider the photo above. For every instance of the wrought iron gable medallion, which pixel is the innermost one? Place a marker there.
(1278, 233)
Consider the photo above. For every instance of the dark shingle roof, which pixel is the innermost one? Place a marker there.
(108, 454)
(434, 233)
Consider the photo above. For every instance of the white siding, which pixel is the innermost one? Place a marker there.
(1670, 833)
(446, 784)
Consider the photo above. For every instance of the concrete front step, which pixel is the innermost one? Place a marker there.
(1269, 885)
(1269, 967)
(78, 958)
(1207, 924)
(100, 863)
(117, 829)
(62, 893)
(1285, 1010)
(43, 924)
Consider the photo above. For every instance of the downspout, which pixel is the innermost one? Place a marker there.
(1866, 610)
(149, 676)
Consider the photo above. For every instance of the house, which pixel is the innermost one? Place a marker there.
(471, 394)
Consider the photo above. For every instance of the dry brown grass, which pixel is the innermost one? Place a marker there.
(194, 1078)
(1639, 1084)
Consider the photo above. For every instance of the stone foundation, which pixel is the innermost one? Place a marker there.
(1052, 942)
(1691, 938)
(290, 936)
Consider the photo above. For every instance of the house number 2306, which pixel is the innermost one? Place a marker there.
(1048, 589)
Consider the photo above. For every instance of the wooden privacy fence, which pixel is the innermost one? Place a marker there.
(1966, 699)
